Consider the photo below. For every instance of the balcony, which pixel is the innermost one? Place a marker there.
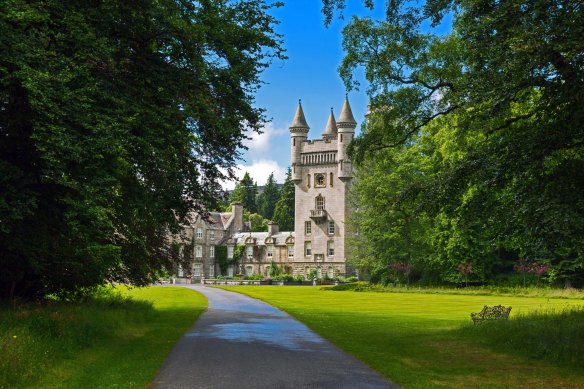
(317, 214)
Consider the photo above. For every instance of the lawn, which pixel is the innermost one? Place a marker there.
(427, 340)
(115, 339)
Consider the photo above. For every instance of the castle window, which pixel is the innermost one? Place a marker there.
(199, 233)
(230, 271)
(212, 270)
(270, 251)
(199, 251)
(331, 227)
(308, 249)
(293, 141)
(290, 251)
(308, 181)
(331, 179)
(319, 203)
(250, 251)
(341, 138)
(329, 272)
(307, 228)
(211, 251)
(229, 252)
(331, 248)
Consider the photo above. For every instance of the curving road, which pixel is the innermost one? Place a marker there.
(241, 343)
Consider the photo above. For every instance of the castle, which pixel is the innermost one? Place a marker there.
(322, 174)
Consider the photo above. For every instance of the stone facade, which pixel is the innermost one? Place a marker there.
(322, 175)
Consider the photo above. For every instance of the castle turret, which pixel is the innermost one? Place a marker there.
(298, 134)
(330, 131)
(346, 131)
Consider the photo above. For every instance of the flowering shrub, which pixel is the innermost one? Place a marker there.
(402, 267)
(466, 270)
(523, 266)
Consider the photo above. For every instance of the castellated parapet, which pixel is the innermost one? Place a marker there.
(322, 174)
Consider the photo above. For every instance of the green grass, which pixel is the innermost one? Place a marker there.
(423, 340)
(117, 339)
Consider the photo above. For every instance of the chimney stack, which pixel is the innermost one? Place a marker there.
(273, 228)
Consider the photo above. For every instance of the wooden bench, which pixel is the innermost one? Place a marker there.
(491, 313)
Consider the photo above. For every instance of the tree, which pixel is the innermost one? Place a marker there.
(387, 223)
(257, 221)
(284, 211)
(268, 198)
(508, 78)
(116, 120)
(246, 192)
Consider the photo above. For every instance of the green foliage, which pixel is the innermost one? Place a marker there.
(273, 270)
(245, 193)
(221, 258)
(110, 339)
(258, 222)
(489, 131)
(268, 198)
(285, 277)
(116, 120)
(299, 278)
(284, 211)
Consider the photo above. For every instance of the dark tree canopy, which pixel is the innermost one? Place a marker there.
(116, 119)
(246, 192)
(501, 96)
(268, 198)
(284, 211)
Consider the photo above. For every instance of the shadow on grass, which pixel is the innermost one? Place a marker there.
(108, 337)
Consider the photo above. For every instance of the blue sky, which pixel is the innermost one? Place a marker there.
(310, 74)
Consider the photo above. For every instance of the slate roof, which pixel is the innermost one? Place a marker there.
(260, 237)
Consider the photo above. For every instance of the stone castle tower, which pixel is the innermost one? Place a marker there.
(322, 174)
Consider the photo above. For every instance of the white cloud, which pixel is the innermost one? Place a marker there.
(259, 170)
(259, 144)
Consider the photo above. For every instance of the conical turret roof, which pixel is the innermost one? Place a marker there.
(299, 119)
(346, 118)
(331, 127)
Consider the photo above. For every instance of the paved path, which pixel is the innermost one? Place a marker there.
(241, 343)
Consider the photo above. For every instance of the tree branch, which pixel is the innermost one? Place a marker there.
(416, 129)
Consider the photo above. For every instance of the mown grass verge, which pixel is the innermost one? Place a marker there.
(487, 290)
(424, 340)
(116, 338)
